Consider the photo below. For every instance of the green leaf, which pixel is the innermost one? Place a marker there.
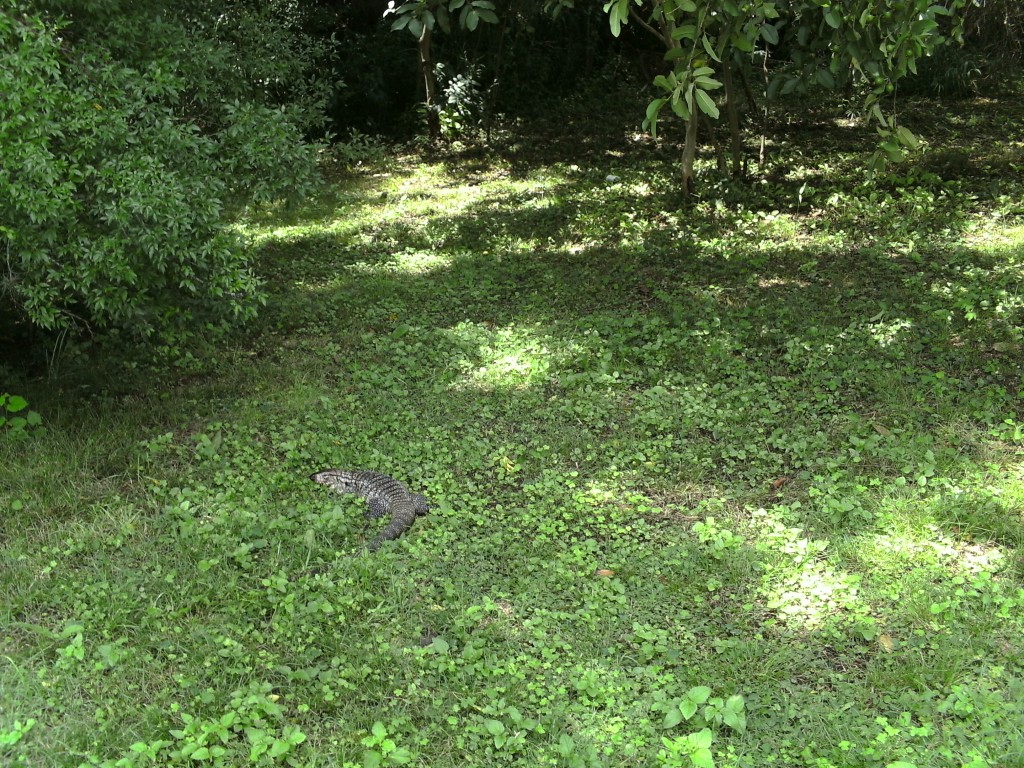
(877, 112)
(279, 748)
(825, 79)
(906, 138)
(653, 109)
(832, 18)
(401, 756)
(444, 20)
(709, 49)
(685, 32)
(672, 718)
(770, 34)
(707, 83)
(687, 708)
(663, 81)
(566, 745)
(706, 104)
(618, 14)
(893, 151)
(702, 758)
(741, 42)
(702, 739)
(698, 694)
(16, 403)
(680, 108)
(494, 727)
(371, 759)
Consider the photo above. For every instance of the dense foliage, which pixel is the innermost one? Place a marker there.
(130, 131)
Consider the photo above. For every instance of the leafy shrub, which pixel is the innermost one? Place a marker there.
(15, 419)
(358, 149)
(462, 104)
(134, 133)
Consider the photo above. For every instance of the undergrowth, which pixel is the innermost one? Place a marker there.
(737, 484)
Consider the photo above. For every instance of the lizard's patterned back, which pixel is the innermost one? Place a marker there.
(384, 496)
(369, 485)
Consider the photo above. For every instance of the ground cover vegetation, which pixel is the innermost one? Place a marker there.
(734, 481)
(740, 483)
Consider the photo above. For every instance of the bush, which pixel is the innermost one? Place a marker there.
(132, 132)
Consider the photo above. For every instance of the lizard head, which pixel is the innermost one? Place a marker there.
(336, 479)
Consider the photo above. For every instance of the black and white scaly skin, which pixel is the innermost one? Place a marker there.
(384, 496)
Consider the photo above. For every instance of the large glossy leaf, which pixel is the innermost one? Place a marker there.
(706, 103)
(707, 83)
(907, 138)
(709, 48)
(653, 109)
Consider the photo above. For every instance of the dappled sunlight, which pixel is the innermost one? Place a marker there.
(403, 263)
(813, 595)
(890, 332)
(993, 234)
(803, 588)
(769, 443)
(931, 550)
(501, 359)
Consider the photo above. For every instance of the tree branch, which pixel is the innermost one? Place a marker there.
(643, 23)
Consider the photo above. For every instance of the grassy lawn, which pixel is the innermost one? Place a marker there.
(741, 481)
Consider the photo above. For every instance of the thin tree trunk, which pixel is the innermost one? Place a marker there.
(734, 120)
(690, 154)
(708, 128)
(498, 66)
(429, 85)
(762, 158)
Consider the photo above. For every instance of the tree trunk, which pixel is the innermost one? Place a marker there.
(734, 120)
(690, 153)
(429, 85)
(707, 127)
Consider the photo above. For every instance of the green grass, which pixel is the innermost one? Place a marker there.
(767, 447)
